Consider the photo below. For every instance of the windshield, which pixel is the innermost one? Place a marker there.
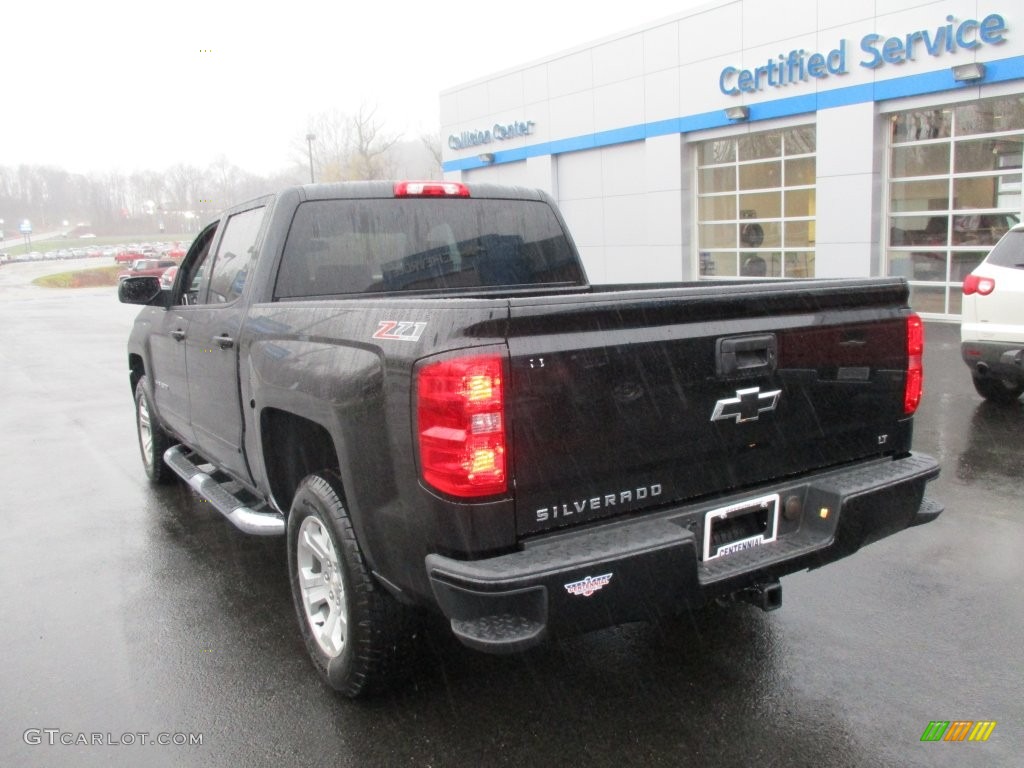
(372, 245)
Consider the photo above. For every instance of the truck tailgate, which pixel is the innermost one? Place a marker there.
(624, 400)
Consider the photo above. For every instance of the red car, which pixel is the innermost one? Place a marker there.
(127, 255)
(147, 268)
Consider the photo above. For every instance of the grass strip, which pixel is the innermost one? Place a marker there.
(81, 278)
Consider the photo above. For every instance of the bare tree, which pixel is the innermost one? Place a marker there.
(331, 145)
(432, 143)
(115, 188)
(115, 202)
(104, 203)
(372, 145)
(221, 187)
(183, 185)
(147, 190)
(30, 190)
(347, 146)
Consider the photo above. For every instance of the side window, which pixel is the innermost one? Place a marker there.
(234, 256)
(193, 267)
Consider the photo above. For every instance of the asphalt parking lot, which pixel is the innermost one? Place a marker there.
(130, 610)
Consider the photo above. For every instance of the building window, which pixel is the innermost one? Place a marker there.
(755, 204)
(954, 189)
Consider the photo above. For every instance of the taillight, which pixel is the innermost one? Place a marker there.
(915, 367)
(461, 425)
(430, 189)
(980, 285)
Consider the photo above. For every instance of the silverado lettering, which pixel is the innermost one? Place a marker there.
(598, 502)
(289, 377)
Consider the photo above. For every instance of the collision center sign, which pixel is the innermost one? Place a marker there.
(499, 132)
(876, 51)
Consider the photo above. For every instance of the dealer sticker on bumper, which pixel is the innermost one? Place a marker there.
(588, 586)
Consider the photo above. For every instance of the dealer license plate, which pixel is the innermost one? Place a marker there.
(744, 525)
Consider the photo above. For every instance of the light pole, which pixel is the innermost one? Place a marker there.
(309, 142)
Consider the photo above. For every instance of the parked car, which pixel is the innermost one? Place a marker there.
(128, 254)
(167, 278)
(147, 268)
(992, 326)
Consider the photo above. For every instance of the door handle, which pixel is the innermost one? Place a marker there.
(178, 335)
(747, 355)
(224, 341)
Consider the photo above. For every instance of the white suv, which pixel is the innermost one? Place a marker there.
(992, 328)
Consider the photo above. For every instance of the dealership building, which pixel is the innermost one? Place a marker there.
(812, 138)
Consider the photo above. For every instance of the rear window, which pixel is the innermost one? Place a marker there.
(1008, 252)
(372, 245)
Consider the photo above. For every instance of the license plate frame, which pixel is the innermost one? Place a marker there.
(768, 503)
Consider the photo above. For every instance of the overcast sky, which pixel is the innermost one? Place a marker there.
(106, 85)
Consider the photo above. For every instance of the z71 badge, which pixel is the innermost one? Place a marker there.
(399, 330)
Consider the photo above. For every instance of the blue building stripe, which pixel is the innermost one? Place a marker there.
(999, 71)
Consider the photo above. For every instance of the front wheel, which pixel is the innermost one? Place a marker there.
(358, 636)
(153, 441)
(998, 390)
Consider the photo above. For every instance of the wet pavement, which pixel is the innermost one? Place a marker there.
(127, 609)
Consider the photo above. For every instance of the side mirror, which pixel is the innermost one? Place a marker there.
(141, 290)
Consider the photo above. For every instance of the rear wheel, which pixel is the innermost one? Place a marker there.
(153, 441)
(358, 636)
(998, 390)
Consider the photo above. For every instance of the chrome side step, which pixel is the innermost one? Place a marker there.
(261, 521)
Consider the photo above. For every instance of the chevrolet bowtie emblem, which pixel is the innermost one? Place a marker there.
(748, 405)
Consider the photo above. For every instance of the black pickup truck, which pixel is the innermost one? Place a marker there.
(415, 383)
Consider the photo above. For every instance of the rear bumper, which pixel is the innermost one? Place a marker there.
(640, 569)
(993, 359)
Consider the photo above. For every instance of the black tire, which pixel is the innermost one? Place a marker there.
(153, 440)
(752, 235)
(997, 390)
(358, 636)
